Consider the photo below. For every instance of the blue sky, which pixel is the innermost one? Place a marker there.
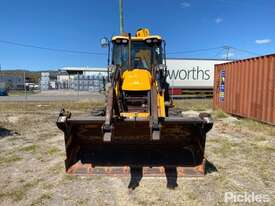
(79, 24)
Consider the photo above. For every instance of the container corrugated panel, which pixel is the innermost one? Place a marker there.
(249, 88)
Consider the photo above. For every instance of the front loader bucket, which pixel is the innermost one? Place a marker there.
(181, 145)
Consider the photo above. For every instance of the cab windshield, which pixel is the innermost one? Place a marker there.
(143, 55)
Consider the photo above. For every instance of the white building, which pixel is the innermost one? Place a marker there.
(85, 71)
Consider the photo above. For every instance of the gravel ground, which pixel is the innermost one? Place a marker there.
(32, 163)
(54, 95)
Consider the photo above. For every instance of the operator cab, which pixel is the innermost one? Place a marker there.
(145, 50)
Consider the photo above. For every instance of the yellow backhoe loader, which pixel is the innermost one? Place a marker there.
(136, 129)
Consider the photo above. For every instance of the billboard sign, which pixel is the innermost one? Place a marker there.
(192, 73)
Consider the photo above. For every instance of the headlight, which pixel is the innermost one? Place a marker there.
(148, 41)
(124, 41)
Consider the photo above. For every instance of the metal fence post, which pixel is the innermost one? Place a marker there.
(0, 73)
(77, 85)
(25, 86)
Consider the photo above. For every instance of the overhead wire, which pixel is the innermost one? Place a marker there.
(245, 51)
(221, 48)
(194, 51)
(219, 52)
(103, 54)
(51, 49)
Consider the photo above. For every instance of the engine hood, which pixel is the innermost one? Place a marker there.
(136, 80)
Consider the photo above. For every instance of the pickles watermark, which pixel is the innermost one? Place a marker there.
(246, 197)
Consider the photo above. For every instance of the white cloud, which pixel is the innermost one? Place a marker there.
(185, 4)
(218, 20)
(263, 41)
(229, 55)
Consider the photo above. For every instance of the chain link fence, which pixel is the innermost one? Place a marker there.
(55, 84)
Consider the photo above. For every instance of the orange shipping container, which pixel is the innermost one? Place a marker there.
(247, 88)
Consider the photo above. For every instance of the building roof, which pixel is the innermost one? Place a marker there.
(84, 69)
(75, 70)
(209, 59)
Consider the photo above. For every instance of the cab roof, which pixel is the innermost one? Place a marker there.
(135, 38)
(142, 34)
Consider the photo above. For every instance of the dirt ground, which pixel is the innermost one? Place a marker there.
(32, 162)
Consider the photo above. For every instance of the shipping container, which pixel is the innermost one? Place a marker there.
(192, 73)
(247, 88)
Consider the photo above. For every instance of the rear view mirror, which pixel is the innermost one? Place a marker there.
(104, 42)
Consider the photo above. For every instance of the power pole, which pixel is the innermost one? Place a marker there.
(227, 49)
(121, 16)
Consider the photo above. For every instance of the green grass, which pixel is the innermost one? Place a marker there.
(48, 186)
(69, 177)
(82, 202)
(24, 107)
(9, 158)
(32, 148)
(20, 93)
(194, 104)
(13, 138)
(39, 201)
(224, 147)
(59, 168)
(53, 151)
(219, 114)
(15, 195)
(256, 126)
(18, 193)
(271, 149)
